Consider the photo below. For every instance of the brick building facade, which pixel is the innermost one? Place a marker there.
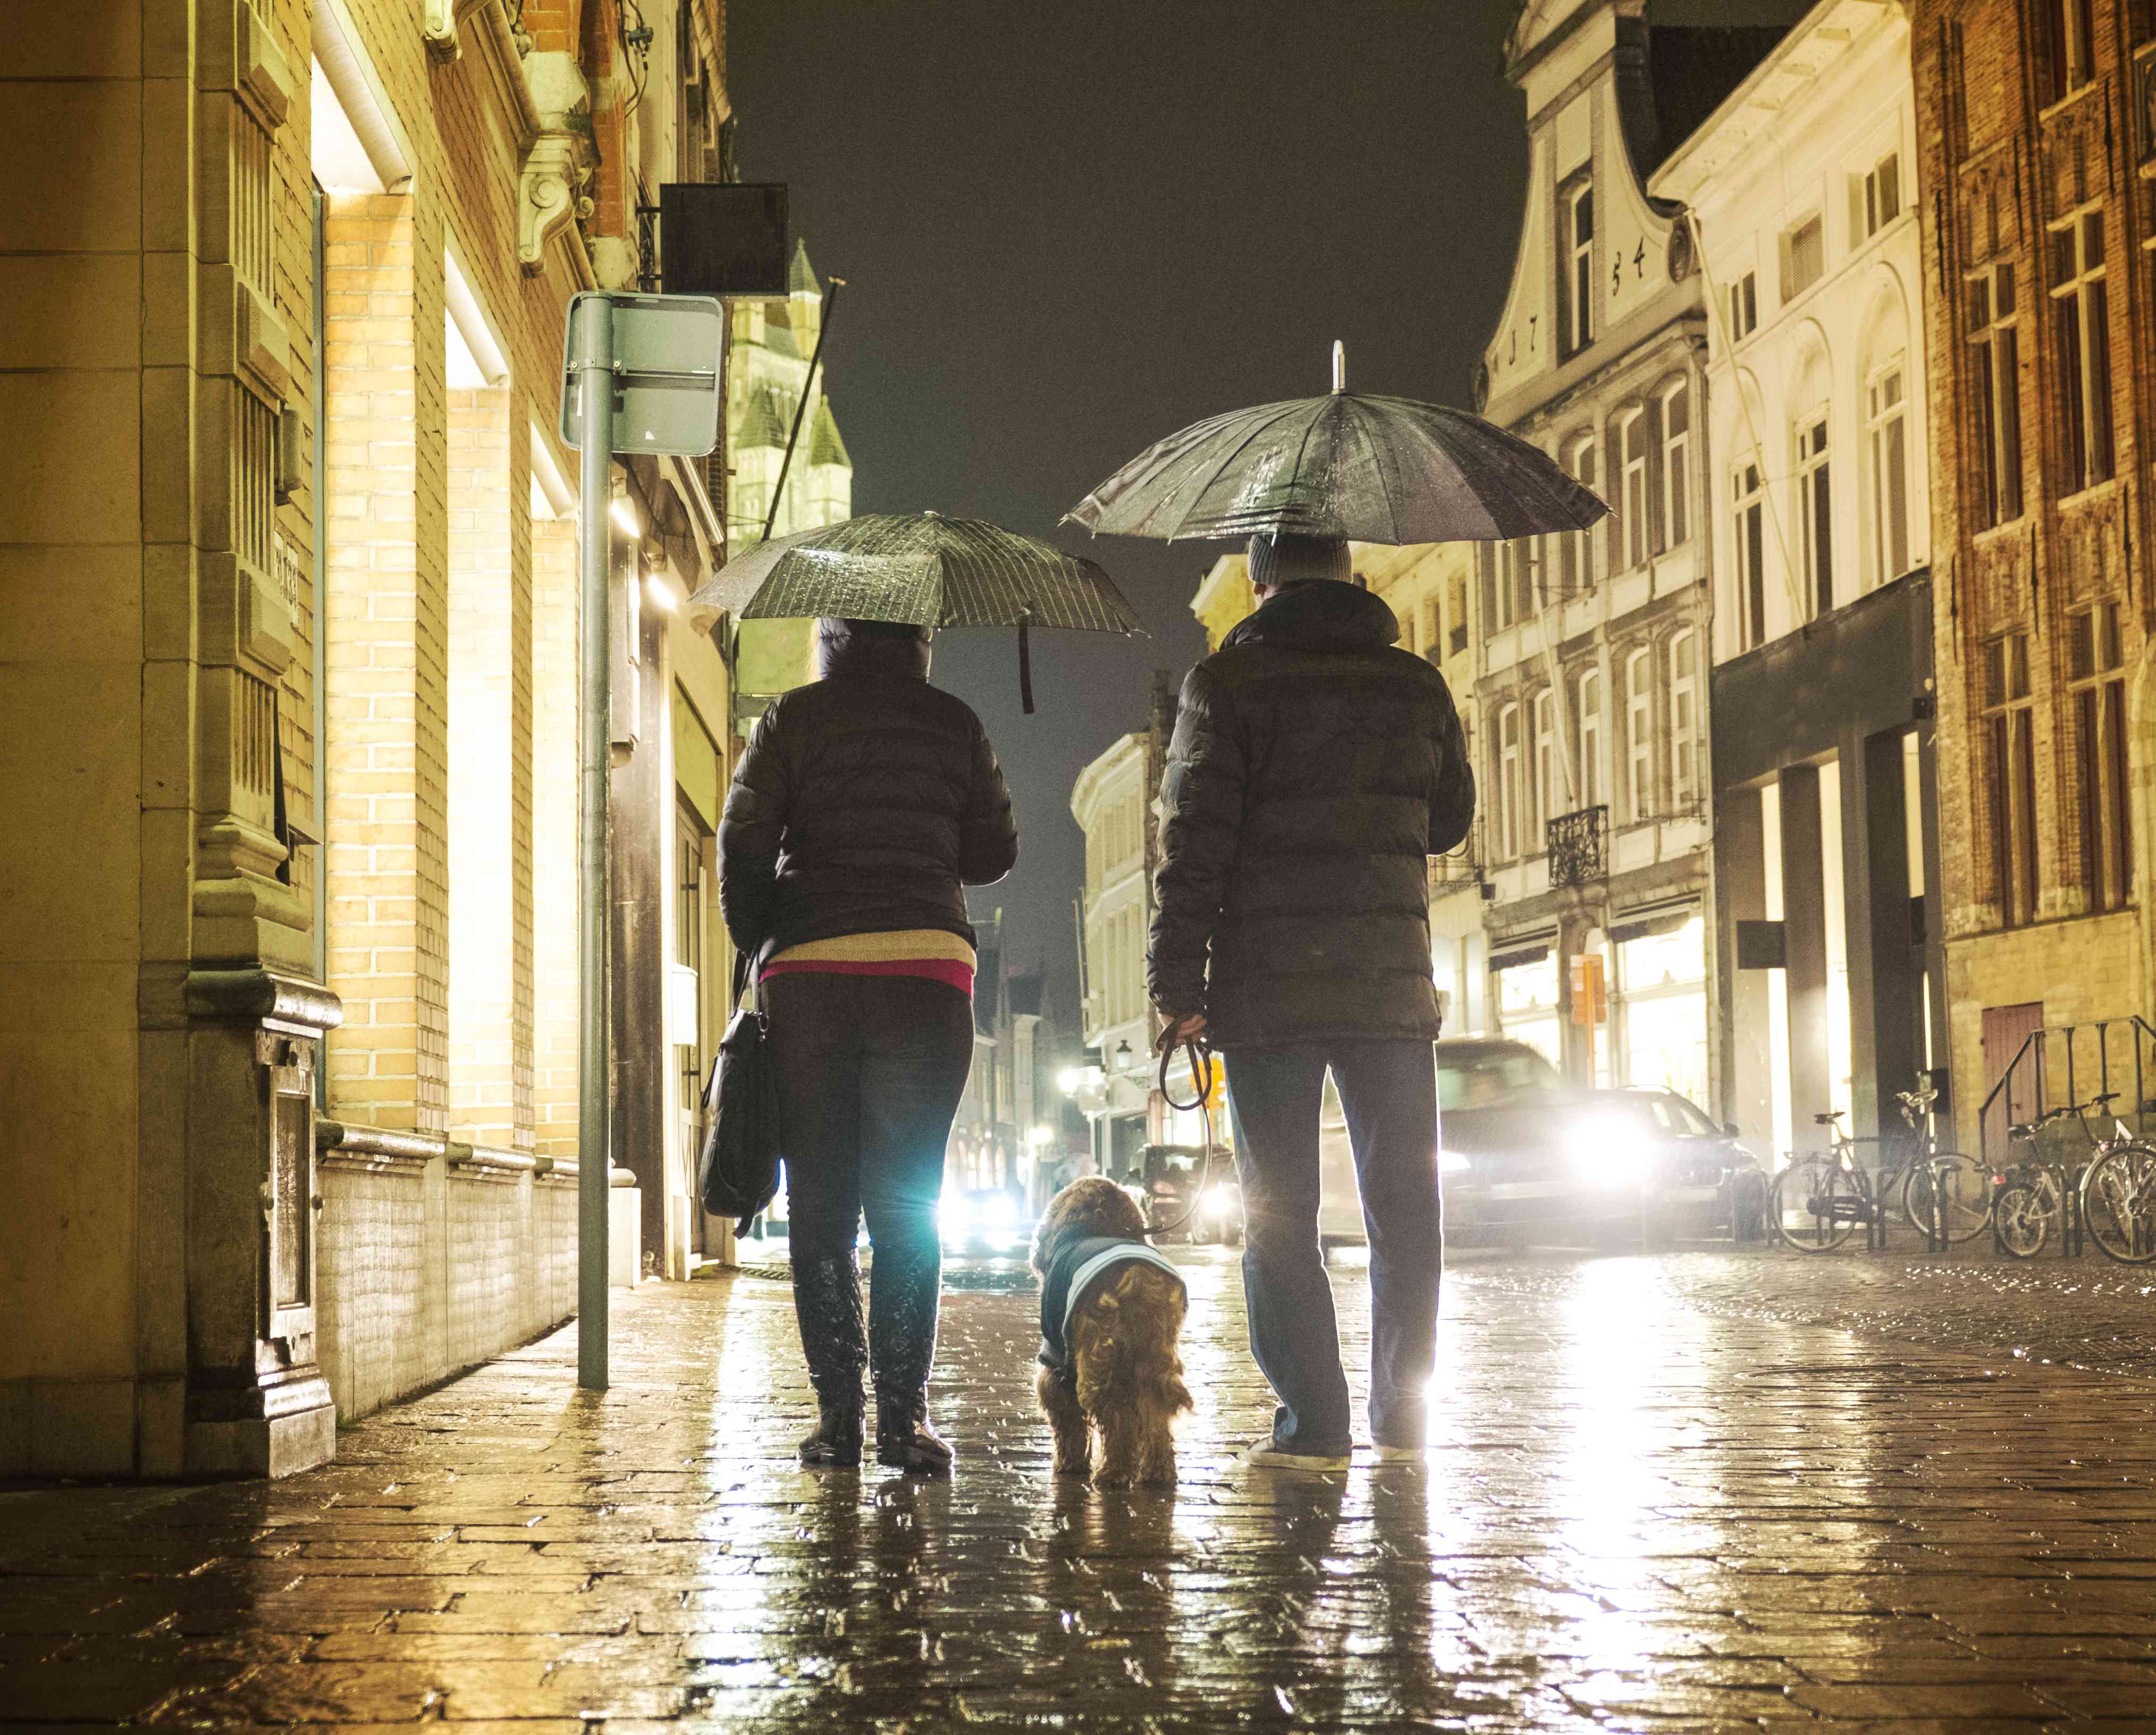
(2037, 143)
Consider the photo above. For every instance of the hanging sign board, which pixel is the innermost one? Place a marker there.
(667, 350)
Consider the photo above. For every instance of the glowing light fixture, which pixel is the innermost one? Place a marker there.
(663, 595)
(1066, 1081)
(624, 518)
(1608, 1151)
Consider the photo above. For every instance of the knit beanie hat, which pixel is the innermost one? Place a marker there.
(1290, 559)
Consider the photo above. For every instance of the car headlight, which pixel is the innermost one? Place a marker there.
(1002, 1213)
(1217, 1201)
(1452, 1162)
(1607, 1151)
(956, 1214)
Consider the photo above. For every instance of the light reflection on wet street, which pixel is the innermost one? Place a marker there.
(1662, 1496)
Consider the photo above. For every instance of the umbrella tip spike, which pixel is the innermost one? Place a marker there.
(1339, 366)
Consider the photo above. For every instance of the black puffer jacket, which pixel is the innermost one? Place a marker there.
(1313, 770)
(863, 803)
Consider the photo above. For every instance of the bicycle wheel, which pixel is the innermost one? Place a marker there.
(1963, 1191)
(1815, 1203)
(2118, 1204)
(2024, 1224)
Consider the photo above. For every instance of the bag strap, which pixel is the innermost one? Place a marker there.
(744, 979)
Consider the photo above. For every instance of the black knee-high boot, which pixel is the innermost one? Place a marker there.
(905, 1294)
(827, 1302)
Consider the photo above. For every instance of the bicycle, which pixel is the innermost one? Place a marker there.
(2116, 1193)
(2030, 1198)
(1943, 1195)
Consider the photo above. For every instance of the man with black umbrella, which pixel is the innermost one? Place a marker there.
(1313, 770)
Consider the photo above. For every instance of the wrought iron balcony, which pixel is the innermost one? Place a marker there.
(1579, 847)
(1462, 868)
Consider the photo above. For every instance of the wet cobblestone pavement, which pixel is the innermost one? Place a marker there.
(2085, 1312)
(1656, 1503)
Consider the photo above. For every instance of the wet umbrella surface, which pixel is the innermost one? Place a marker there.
(1370, 469)
(922, 568)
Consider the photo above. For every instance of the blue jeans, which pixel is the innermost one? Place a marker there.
(1390, 1092)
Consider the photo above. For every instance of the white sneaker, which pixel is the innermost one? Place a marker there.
(1398, 1453)
(1266, 1455)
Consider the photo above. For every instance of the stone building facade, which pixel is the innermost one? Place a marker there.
(288, 1027)
(1800, 190)
(775, 387)
(1116, 801)
(1595, 752)
(2036, 130)
(1431, 589)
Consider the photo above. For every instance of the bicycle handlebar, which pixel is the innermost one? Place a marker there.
(2025, 1130)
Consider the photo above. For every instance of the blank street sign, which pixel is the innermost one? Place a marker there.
(666, 356)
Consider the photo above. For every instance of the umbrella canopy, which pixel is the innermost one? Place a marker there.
(921, 567)
(1364, 469)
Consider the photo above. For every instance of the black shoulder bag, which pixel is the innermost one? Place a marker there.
(738, 1173)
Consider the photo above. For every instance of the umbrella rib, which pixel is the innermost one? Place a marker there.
(1377, 468)
(1287, 410)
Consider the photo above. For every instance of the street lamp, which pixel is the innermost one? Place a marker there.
(1067, 1081)
(1123, 1055)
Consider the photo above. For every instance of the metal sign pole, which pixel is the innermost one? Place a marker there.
(660, 355)
(592, 363)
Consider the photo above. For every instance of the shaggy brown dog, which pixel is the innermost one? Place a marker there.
(1122, 1374)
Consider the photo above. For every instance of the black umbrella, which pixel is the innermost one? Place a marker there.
(925, 568)
(1367, 469)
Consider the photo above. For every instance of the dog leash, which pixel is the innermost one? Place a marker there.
(1202, 1075)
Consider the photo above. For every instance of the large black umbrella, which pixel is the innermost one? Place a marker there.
(1365, 468)
(925, 568)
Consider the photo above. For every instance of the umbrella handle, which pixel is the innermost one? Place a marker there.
(1025, 665)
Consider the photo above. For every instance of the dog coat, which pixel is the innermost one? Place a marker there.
(1076, 1267)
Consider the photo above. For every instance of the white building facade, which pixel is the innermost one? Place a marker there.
(1801, 190)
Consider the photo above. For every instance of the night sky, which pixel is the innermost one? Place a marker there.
(1067, 230)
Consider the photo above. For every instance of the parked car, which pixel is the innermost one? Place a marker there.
(1512, 1171)
(1165, 1182)
(1696, 1178)
(1524, 1158)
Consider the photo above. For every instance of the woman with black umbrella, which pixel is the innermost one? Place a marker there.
(863, 805)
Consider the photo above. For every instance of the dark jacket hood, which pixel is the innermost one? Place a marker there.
(841, 651)
(1320, 616)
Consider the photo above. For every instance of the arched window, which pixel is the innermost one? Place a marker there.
(1510, 828)
(1676, 463)
(1748, 538)
(1684, 719)
(1887, 451)
(1588, 695)
(1577, 557)
(1549, 767)
(1815, 509)
(1632, 447)
(1639, 734)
